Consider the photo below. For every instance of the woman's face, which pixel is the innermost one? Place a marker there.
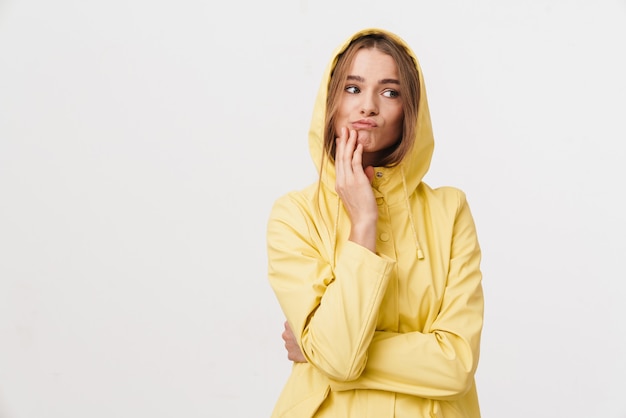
(371, 104)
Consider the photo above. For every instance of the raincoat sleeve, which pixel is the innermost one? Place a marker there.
(332, 311)
(440, 362)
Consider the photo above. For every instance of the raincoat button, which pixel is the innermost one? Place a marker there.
(379, 174)
(379, 201)
(384, 236)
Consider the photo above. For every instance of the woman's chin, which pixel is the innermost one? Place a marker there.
(364, 139)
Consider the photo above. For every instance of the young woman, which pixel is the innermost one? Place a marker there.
(377, 273)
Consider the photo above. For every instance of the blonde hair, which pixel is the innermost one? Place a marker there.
(409, 91)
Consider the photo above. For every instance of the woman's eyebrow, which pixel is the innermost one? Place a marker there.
(356, 78)
(383, 81)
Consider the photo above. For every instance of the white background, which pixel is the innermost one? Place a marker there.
(142, 144)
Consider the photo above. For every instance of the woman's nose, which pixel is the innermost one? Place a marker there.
(369, 106)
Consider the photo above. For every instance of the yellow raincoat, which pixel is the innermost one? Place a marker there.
(394, 333)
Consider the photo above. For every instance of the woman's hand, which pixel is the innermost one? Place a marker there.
(354, 187)
(293, 349)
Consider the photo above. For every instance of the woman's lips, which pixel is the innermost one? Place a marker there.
(364, 124)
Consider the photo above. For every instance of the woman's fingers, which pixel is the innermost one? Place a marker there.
(357, 159)
(344, 155)
(340, 142)
(349, 152)
(294, 353)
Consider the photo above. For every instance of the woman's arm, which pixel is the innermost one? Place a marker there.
(439, 363)
(332, 307)
(332, 310)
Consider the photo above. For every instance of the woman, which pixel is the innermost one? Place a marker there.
(377, 273)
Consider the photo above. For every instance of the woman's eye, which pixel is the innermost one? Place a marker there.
(352, 89)
(391, 93)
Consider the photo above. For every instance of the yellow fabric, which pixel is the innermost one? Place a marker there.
(391, 334)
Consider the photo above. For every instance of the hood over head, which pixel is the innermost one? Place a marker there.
(417, 161)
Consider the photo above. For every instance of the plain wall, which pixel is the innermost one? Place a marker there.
(142, 144)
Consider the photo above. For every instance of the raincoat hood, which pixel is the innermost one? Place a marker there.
(414, 165)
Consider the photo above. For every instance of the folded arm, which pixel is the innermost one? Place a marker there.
(440, 362)
(332, 309)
